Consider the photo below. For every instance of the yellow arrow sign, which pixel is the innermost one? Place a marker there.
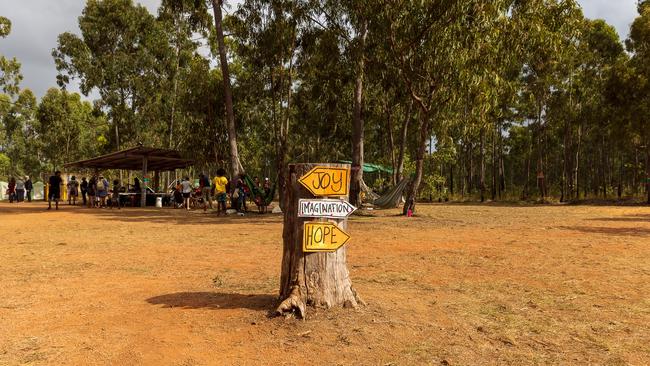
(323, 237)
(326, 181)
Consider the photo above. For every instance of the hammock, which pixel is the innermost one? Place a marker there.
(370, 195)
(260, 197)
(393, 197)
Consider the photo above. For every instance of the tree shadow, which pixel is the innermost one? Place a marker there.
(214, 300)
(149, 214)
(626, 218)
(619, 231)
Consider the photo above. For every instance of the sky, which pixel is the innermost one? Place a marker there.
(37, 23)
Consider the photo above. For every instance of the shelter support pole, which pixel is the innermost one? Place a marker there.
(143, 198)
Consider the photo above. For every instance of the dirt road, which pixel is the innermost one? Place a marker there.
(458, 285)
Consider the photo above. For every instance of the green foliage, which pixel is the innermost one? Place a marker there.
(5, 165)
(504, 90)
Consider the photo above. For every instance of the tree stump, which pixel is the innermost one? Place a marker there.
(310, 279)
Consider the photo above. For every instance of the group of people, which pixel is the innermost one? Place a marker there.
(18, 189)
(95, 192)
(186, 194)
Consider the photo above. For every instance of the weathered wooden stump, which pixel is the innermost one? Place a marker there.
(311, 279)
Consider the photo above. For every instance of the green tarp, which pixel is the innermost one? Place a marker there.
(371, 168)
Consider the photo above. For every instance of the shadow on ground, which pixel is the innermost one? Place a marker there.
(625, 218)
(214, 300)
(150, 214)
(618, 231)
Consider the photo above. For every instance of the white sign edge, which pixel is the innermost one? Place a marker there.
(301, 214)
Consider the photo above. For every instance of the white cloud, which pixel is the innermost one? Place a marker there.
(619, 13)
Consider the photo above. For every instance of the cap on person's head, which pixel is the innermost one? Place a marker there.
(27, 177)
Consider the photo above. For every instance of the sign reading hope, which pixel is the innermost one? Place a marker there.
(323, 237)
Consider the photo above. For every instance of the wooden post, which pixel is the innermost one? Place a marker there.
(143, 199)
(316, 279)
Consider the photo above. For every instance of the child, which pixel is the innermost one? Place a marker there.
(220, 183)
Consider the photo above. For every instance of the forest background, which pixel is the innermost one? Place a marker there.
(471, 99)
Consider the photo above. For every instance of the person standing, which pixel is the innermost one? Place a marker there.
(11, 190)
(220, 183)
(54, 192)
(243, 193)
(102, 190)
(84, 189)
(29, 187)
(115, 195)
(137, 189)
(186, 188)
(92, 191)
(20, 190)
(206, 191)
(73, 191)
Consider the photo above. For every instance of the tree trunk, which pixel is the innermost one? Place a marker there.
(482, 172)
(235, 164)
(603, 166)
(402, 143)
(357, 121)
(647, 171)
(494, 162)
(315, 279)
(576, 164)
(419, 163)
(391, 142)
(470, 168)
(566, 191)
(461, 172)
(451, 180)
(620, 176)
(635, 173)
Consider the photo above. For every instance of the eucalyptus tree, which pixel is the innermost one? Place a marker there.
(68, 128)
(235, 163)
(639, 45)
(433, 43)
(118, 55)
(266, 35)
(17, 121)
(10, 76)
(548, 29)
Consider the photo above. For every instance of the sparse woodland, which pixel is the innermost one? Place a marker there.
(472, 99)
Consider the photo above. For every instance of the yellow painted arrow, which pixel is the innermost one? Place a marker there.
(326, 181)
(323, 237)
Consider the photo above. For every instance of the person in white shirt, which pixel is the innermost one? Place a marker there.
(186, 188)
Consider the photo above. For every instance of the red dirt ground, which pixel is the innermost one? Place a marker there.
(457, 285)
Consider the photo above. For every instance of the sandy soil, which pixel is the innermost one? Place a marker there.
(458, 285)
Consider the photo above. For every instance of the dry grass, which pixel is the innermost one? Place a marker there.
(457, 285)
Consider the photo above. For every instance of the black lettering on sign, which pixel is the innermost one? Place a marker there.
(337, 184)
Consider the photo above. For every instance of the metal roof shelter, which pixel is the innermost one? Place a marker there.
(136, 158)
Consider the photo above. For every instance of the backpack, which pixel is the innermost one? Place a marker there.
(100, 185)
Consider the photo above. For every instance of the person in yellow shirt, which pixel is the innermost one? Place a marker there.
(220, 183)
